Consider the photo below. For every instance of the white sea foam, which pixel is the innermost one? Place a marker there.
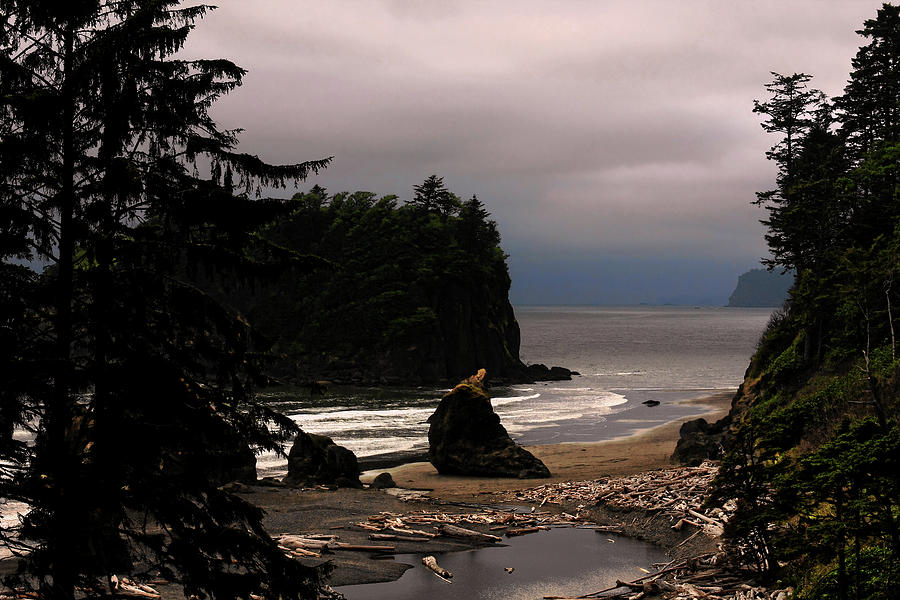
(512, 399)
(614, 399)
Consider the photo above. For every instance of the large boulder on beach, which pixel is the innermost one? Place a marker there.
(317, 460)
(466, 438)
(699, 441)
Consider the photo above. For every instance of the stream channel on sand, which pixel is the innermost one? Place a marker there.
(565, 561)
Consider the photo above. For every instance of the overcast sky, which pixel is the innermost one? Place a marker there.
(613, 141)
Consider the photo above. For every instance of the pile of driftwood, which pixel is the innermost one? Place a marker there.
(423, 526)
(314, 545)
(696, 577)
(120, 588)
(508, 522)
(678, 493)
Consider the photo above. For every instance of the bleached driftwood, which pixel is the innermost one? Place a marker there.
(431, 563)
(461, 532)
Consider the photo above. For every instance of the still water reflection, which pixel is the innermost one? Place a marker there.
(557, 562)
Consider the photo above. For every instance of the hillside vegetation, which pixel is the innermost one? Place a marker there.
(410, 292)
(814, 459)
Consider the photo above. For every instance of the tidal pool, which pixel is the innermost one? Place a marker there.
(560, 562)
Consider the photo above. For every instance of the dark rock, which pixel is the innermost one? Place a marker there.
(347, 482)
(699, 441)
(760, 287)
(466, 437)
(650, 402)
(317, 460)
(383, 481)
(539, 372)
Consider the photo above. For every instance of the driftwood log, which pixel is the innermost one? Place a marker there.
(431, 563)
(461, 532)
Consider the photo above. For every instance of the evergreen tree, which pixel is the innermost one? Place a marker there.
(477, 231)
(869, 109)
(790, 111)
(870, 124)
(433, 196)
(101, 136)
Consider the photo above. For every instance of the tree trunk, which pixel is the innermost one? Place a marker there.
(60, 410)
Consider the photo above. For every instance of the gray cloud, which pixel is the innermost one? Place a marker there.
(618, 132)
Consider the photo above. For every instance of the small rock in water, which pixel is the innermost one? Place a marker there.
(509, 570)
(651, 402)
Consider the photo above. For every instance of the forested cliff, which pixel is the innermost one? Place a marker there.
(409, 292)
(813, 440)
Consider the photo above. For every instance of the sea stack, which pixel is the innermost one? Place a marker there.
(316, 459)
(466, 437)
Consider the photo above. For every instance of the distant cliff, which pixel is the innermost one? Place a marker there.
(413, 293)
(759, 287)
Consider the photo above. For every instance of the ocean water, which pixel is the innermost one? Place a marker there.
(644, 347)
(625, 355)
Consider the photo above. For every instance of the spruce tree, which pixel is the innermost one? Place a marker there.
(433, 196)
(791, 111)
(130, 377)
(870, 124)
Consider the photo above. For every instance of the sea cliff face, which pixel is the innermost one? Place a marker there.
(472, 325)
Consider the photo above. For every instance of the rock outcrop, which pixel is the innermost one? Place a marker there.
(466, 438)
(759, 287)
(699, 441)
(316, 459)
(539, 372)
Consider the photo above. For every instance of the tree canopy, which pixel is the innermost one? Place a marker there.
(420, 295)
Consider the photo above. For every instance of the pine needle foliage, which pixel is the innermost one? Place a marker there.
(132, 383)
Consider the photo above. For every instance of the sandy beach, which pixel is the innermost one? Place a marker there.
(649, 449)
(292, 511)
